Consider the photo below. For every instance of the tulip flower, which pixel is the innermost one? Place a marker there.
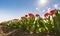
(31, 15)
(23, 17)
(26, 15)
(37, 15)
(44, 18)
(46, 14)
(52, 12)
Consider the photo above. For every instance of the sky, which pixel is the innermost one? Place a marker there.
(10, 9)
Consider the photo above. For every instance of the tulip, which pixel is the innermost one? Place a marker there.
(37, 15)
(44, 18)
(52, 12)
(23, 17)
(46, 14)
(26, 15)
(31, 15)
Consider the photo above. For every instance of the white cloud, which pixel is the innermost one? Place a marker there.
(43, 11)
(37, 9)
(48, 10)
(56, 6)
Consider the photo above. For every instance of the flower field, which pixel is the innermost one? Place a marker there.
(35, 24)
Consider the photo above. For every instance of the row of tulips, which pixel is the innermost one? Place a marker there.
(34, 23)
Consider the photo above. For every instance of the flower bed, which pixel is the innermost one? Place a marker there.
(34, 25)
(9, 31)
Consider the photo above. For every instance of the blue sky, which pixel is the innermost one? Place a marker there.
(10, 9)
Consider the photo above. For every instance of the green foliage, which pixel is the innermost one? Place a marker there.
(57, 23)
(31, 24)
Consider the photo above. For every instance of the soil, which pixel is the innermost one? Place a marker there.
(9, 31)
